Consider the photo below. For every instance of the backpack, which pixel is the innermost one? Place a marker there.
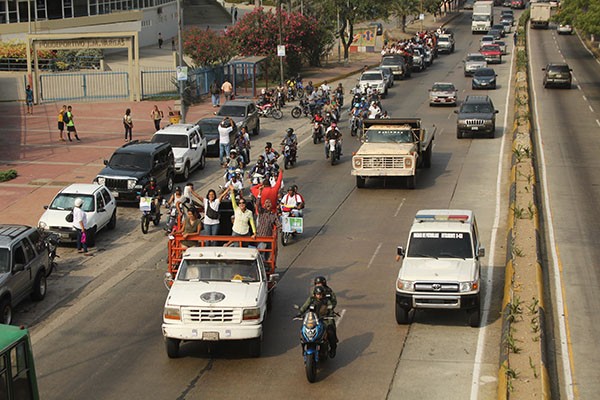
(66, 117)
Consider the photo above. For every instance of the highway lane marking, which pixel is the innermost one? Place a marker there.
(374, 255)
(591, 109)
(585, 98)
(563, 322)
(339, 320)
(399, 207)
(475, 383)
(598, 122)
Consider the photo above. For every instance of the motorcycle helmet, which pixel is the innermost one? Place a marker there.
(152, 179)
(225, 124)
(178, 189)
(289, 131)
(291, 188)
(333, 124)
(263, 91)
(319, 290)
(321, 280)
(233, 151)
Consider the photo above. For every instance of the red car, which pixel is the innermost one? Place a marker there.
(517, 4)
(492, 53)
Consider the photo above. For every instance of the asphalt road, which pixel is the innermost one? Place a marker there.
(568, 123)
(103, 339)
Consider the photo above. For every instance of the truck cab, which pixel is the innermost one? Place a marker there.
(441, 265)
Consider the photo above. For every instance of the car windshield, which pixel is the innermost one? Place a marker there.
(477, 57)
(489, 48)
(218, 270)
(64, 201)
(4, 261)
(484, 72)
(487, 39)
(558, 68)
(500, 44)
(443, 87)
(209, 128)
(370, 77)
(443, 39)
(174, 140)
(440, 245)
(476, 108)
(505, 22)
(130, 161)
(232, 111)
(479, 17)
(388, 136)
(417, 52)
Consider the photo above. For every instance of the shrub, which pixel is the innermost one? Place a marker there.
(8, 175)
(206, 47)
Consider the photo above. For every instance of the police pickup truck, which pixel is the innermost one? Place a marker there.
(392, 147)
(441, 265)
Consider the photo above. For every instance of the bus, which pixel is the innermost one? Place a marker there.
(17, 370)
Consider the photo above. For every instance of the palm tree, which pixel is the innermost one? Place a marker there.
(402, 9)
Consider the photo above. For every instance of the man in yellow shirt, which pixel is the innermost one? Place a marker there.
(227, 89)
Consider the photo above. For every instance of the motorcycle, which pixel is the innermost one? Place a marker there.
(304, 109)
(149, 213)
(172, 218)
(289, 229)
(313, 338)
(230, 171)
(289, 156)
(354, 125)
(334, 155)
(269, 110)
(50, 240)
(317, 132)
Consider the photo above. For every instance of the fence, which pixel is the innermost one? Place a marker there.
(84, 86)
(52, 64)
(162, 83)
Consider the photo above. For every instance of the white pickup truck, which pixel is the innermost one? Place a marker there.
(217, 294)
(392, 147)
(441, 265)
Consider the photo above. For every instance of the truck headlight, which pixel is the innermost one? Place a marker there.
(407, 286)
(42, 225)
(462, 122)
(408, 162)
(178, 159)
(469, 286)
(172, 313)
(251, 313)
(101, 181)
(357, 162)
(212, 142)
(131, 184)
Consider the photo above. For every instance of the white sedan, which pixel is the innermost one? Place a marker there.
(442, 93)
(98, 203)
(564, 29)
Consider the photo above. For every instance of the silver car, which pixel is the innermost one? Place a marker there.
(507, 26)
(442, 93)
(24, 261)
(473, 62)
(502, 46)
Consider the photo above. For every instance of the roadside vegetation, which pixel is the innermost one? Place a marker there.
(583, 15)
(8, 175)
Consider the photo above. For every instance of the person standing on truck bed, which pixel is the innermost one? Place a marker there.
(244, 220)
(267, 220)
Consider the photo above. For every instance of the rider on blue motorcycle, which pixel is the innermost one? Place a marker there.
(324, 309)
(321, 281)
(291, 140)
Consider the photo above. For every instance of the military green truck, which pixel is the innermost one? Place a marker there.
(393, 147)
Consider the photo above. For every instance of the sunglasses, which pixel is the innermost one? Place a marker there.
(242, 202)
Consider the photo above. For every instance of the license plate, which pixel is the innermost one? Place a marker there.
(64, 235)
(210, 335)
(115, 194)
(475, 128)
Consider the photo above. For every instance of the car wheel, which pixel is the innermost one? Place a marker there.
(202, 163)
(255, 347)
(169, 184)
(90, 237)
(411, 181)
(401, 315)
(427, 156)
(39, 286)
(360, 182)
(113, 220)
(172, 347)
(256, 129)
(475, 318)
(6, 311)
(186, 171)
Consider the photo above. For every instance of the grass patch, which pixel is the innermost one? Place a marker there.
(8, 175)
(522, 60)
(524, 17)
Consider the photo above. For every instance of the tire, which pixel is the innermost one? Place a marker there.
(39, 286)
(112, 224)
(401, 315)
(277, 114)
(315, 139)
(360, 182)
(169, 187)
(296, 112)
(156, 220)
(6, 311)
(427, 156)
(353, 131)
(255, 347)
(186, 171)
(492, 134)
(90, 237)
(300, 92)
(172, 347)
(202, 162)
(285, 238)
(311, 367)
(145, 223)
(459, 134)
(333, 156)
(475, 318)
(411, 182)
(256, 129)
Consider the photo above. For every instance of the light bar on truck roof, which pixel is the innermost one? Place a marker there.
(434, 217)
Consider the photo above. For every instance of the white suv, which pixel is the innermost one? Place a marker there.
(441, 267)
(375, 79)
(188, 144)
(99, 205)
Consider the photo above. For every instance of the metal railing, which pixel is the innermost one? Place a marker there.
(52, 64)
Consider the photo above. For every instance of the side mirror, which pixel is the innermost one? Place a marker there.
(18, 267)
(168, 280)
(214, 112)
(496, 111)
(400, 251)
(455, 111)
(45, 207)
(570, 70)
(296, 306)
(101, 209)
(481, 252)
(105, 162)
(274, 278)
(194, 147)
(543, 69)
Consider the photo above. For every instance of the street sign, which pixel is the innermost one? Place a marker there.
(281, 50)
(182, 73)
(421, 17)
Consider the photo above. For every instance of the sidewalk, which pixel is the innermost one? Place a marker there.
(29, 143)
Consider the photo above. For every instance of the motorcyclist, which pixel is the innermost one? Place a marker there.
(333, 133)
(153, 190)
(339, 94)
(270, 153)
(236, 184)
(356, 90)
(312, 102)
(291, 140)
(309, 89)
(292, 202)
(259, 168)
(325, 88)
(323, 307)
(243, 147)
(321, 281)
(235, 161)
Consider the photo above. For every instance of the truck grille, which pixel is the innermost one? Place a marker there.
(437, 287)
(113, 183)
(475, 122)
(211, 315)
(383, 162)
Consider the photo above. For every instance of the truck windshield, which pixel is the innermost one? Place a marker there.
(477, 17)
(180, 141)
(232, 111)
(370, 77)
(388, 136)
(4, 261)
(130, 161)
(218, 270)
(440, 245)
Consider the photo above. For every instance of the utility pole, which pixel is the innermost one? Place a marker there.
(421, 16)
(337, 10)
(180, 50)
(280, 43)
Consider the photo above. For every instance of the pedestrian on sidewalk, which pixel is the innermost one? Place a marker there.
(214, 93)
(68, 119)
(80, 225)
(235, 14)
(227, 89)
(128, 124)
(515, 37)
(29, 99)
(160, 40)
(61, 123)
(156, 115)
(173, 43)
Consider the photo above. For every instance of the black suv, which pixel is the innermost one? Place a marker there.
(131, 166)
(476, 115)
(557, 74)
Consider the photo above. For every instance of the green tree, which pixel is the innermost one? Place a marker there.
(582, 14)
(402, 9)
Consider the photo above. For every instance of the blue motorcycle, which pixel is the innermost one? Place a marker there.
(315, 347)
